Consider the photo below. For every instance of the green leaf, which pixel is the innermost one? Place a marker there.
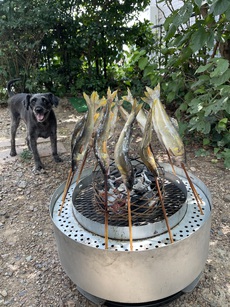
(184, 14)
(223, 120)
(224, 90)
(227, 14)
(221, 79)
(185, 54)
(169, 20)
(198, 2)
(183, 107)
(142, 63)
(216, 150)
(226, 105)
(150, 70)
(215, 107)
(171, 96)
(221, 126)
(204, 127)
(202, 80)
(203, 68)
(210, 40)
(170, 32)
(201, 153)
(206, 141)
(226, 155)
(222, 66)
(219, 7)
(137, 54)
(199, 39)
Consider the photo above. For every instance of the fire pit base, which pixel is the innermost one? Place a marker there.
(155, 270)
(98, 301)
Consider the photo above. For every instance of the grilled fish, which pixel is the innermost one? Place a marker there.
(145, 148)
(122, 160)
(102, 135)
(141, 117)
(166, 132)
(81, 144)
(77, 130)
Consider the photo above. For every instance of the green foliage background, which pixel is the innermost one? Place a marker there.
(68, 47)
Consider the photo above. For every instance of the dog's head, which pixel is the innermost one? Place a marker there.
(41, 105)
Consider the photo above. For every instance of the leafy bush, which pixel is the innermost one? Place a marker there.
(191, 62)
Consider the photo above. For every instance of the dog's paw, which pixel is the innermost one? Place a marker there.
(57, 159)
(13, 153)
(38, 167)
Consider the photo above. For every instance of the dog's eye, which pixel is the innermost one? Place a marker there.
(33, 101)
(44, 100)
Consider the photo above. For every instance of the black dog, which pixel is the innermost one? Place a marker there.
(37, 113)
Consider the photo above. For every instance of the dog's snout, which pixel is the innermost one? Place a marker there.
(38, 109)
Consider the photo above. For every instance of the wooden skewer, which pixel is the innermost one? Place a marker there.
(170, 161)
(67, 185)
(130, 220)
(82, 165)
(164, 211)
(197, 197)
(106, 212)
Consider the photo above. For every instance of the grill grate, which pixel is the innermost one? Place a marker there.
(190, 223)
(84, 203)
(88, 199)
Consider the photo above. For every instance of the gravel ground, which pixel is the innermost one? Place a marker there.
(30, 271)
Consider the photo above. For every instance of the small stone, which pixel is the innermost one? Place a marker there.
(227, 198)
(193, 169)
(22, 184)
(22, 293)
(70, 303)
(3, 293)
(29, 258)
(220, 233)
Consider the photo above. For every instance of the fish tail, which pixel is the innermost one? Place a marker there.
(90, 101)
(136, 107)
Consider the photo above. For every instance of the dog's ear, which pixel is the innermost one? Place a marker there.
(53, 99)
(27, 101)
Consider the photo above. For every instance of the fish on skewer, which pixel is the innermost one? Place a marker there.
(166, 132)
(147, 157)
(141, 117)
(114, 116)
(80, 141)
(122, 160)
(101, 153)
(168, 135)
(78, 129)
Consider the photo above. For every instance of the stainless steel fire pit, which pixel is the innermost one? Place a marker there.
(155, 269)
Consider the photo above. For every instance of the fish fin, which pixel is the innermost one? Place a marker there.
(94, 97)
(124, 114)
(102, 102)
(151, 94)
(96, 115)
(136, 106)
(129, 97)
(87, 99)
(111, 95)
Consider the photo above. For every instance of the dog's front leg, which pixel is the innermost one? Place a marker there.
(32, 142)
(53, 141)
(14, 125)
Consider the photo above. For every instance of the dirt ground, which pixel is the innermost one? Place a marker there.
(30, 270)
